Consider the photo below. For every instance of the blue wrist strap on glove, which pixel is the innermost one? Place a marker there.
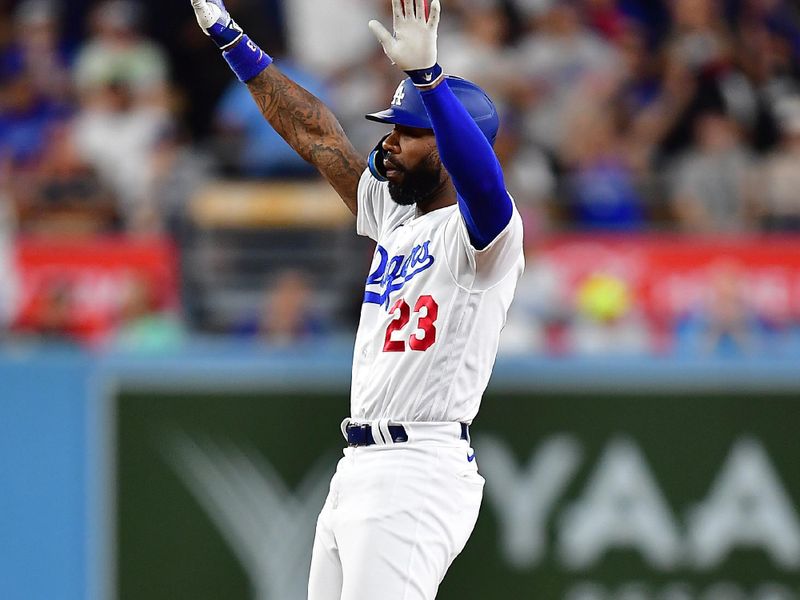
(225, 36)
(426, 77)
(246, 59)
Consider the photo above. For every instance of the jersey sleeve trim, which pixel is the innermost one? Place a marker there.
(475, 254)
(486, 249)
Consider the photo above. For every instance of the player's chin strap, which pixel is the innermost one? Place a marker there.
(375, 160)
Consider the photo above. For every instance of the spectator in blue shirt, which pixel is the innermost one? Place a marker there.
(250, 147)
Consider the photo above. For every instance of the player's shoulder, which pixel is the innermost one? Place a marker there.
(369, 185)
(509, 237)
(481, 269)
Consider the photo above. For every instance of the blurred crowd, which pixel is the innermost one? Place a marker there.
(618, 115)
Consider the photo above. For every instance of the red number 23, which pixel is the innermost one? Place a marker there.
(402, 315)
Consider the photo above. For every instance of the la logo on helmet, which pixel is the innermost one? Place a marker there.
(399, 95)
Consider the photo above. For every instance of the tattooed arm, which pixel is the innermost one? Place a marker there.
(311, 129)
(302, 120)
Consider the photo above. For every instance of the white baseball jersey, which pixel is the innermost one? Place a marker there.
(433, 310)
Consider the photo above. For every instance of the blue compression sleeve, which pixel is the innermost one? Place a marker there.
(469, 158)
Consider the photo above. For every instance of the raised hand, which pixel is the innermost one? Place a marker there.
(413, 45)
(216, 22)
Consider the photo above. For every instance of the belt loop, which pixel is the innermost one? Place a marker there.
(343, 427)
(382, 427)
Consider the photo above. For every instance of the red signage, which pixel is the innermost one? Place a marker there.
(81, 289)
(670, 275)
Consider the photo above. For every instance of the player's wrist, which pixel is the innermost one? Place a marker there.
(426, 78)
(225, 36)
(246, 59)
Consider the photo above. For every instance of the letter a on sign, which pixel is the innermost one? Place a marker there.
(747, 507)
(621, 507)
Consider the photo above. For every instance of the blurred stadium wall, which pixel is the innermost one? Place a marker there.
(199, 474)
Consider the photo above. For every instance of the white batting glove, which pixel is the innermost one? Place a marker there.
(216, 23)
(245, 58)
(413, 45)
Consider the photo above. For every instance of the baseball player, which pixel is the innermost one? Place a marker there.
(406, 494)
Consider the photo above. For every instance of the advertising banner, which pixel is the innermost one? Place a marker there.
(587, 497)
(664, 294)
(77, 289)
(671, 275)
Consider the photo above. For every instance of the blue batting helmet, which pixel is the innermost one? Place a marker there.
(407, 107)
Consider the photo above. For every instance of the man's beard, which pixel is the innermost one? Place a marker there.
(419, 185)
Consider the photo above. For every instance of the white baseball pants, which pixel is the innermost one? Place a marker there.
(395, 518)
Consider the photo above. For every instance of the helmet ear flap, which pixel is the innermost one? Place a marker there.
(375, 160)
